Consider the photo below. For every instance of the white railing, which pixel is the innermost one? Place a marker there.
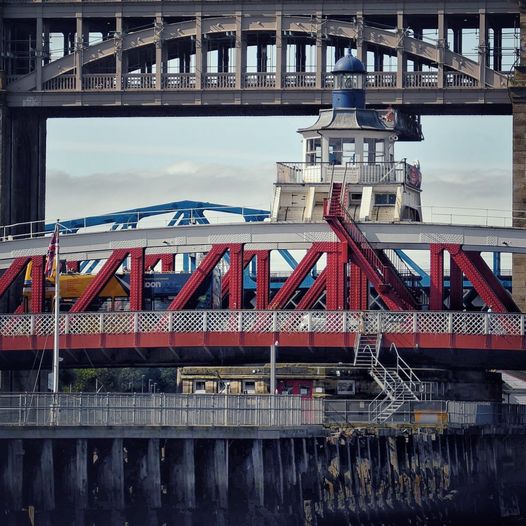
(178, 81)
(299, 80)
(259, 80)
(353, 173)
(381, 79)
(99, 82)
(421, 79)
(454, 79)
(114, 409)
(133, 81)
(62, 83)
(219, 80)
(216, 321)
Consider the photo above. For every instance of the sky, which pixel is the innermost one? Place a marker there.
(104, 165)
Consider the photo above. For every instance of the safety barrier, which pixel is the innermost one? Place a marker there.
(220, 321)
(219, 410)
(113, 409)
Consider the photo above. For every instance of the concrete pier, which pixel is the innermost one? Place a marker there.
(293, 477)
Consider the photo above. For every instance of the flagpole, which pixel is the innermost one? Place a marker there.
(56, 332)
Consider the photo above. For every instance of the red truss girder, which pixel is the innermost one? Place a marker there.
(248, 255)
(262, 279)
(167, 261)
(205, 268)
(358, 288)
(313, 294)
(377, 267)
(471, 264)
(312, 256)
(37, 284)
(10, 275)
(106, 272)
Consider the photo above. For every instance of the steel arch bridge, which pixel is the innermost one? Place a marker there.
(100, 75)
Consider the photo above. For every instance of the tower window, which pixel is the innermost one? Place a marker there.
(313, 151)
(342, 151)
(384, 199)
(373, 151)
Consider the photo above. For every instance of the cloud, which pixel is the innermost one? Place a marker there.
(70, 197)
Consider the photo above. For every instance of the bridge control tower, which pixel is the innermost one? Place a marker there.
(351, 144)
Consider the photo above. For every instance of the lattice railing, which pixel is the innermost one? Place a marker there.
(471, 323)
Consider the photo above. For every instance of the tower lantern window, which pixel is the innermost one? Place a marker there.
(349, 80)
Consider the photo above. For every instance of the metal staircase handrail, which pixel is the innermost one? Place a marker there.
(403, 367)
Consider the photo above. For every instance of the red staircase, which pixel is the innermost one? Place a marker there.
(377, 267)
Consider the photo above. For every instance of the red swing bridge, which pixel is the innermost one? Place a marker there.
(319, 323)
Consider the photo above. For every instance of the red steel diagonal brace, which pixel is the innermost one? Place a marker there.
(299, 274)
(489, 288)
(10, 275)
(313, 294)
(37, 284)
(106, 272)
(206, 266)
(167, 261)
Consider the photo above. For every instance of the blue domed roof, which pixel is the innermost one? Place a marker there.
(349, 64)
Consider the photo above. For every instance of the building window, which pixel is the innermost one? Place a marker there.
(342, 151)
(249, 387)
(373, 151)
(384, 199)
(199, 387)
(313, 152)
(355, 198)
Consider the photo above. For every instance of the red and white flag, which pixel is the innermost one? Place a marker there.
(51, 253)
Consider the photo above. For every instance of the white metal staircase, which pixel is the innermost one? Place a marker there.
(399, 383)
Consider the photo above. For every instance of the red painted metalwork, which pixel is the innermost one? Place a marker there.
(225, 282)
(235, 297)
(479, 344)
(73, 266)
(358, 288)
(456, 287)
(334, 282)
(10, 275)
(37, 284)
(106, 272)
(136, 279)
(489, 288)
(290, 286)
(198, 276)
(381, 274)
(167, 261)
(262, 279)
(436, 284)
(314, 292)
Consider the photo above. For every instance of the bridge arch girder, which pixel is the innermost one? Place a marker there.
(393, 41)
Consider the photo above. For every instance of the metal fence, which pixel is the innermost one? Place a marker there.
(435, 412)
(215, 321)
(177, 410)
(173, 410)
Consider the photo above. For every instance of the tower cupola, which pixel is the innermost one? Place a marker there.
(349, 83)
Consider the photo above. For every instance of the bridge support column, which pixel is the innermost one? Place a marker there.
(483, 40)
(23, 166)
(181, 462)
(73, 469)
(281, 51)
(518, 97)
